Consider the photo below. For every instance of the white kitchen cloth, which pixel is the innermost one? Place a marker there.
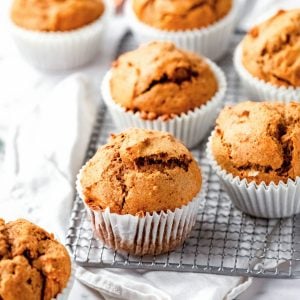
(44, 153)
(157, 285)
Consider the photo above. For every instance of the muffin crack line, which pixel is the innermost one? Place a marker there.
(181, 75)
(161, 162)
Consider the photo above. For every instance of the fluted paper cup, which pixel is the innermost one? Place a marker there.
(153, 234)
(211, 41)
(260, 200)
(61, 50)
(191, 127)
(259, 89)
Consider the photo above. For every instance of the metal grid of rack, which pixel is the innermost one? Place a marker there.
(223, 241)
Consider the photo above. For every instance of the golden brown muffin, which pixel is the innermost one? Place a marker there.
(32, 264)
(140, 171)
(158, 79)
(259, 141)
(55, 15)
(271, 49)
(180, 15)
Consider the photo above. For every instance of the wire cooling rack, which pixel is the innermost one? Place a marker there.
(223, 241)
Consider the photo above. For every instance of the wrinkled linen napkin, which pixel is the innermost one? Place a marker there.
(50, 119)
(44, 152)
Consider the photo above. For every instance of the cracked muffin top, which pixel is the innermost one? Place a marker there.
(140, 171)
(271, 49)
(180, 15)
(55, 15)
(32, 264)
(157, 79)
(259, 141)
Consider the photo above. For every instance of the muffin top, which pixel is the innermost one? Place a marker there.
(32, 264)
(55, 15)
(259, 141)
(271, 49)
(180, 15)
(158, 79)
(140, 171)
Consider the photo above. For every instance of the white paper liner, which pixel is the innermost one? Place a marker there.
(153, 234)
(190, 128)
(211, 41)
(260, 200)
(61, 50)
(64, 294)
(259, 89)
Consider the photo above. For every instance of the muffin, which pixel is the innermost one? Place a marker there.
(142, 191)
(180, 15)
(159, 86)
(160, 80)
(204, 27)
(268, 57)
(55, 15)
(33, 265)
(255, 150)
(58, 34)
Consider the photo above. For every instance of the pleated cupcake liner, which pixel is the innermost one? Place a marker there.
(153, 234)
(260, 200)
(259, 89)
(211, 41)
(191, 127)
(55, 51)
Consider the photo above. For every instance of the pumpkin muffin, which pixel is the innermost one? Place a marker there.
(158, 79)
(270, 51)
(180, 15)
(141, 191)
(32, 264)
(55, 15)
(259, 141)
(140, 171)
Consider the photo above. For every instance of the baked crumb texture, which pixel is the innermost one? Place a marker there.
(159, 80)
(140, 171)
(271, 49)
(55, 15)
(259, 141)
(32, 264)
(181, 15)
